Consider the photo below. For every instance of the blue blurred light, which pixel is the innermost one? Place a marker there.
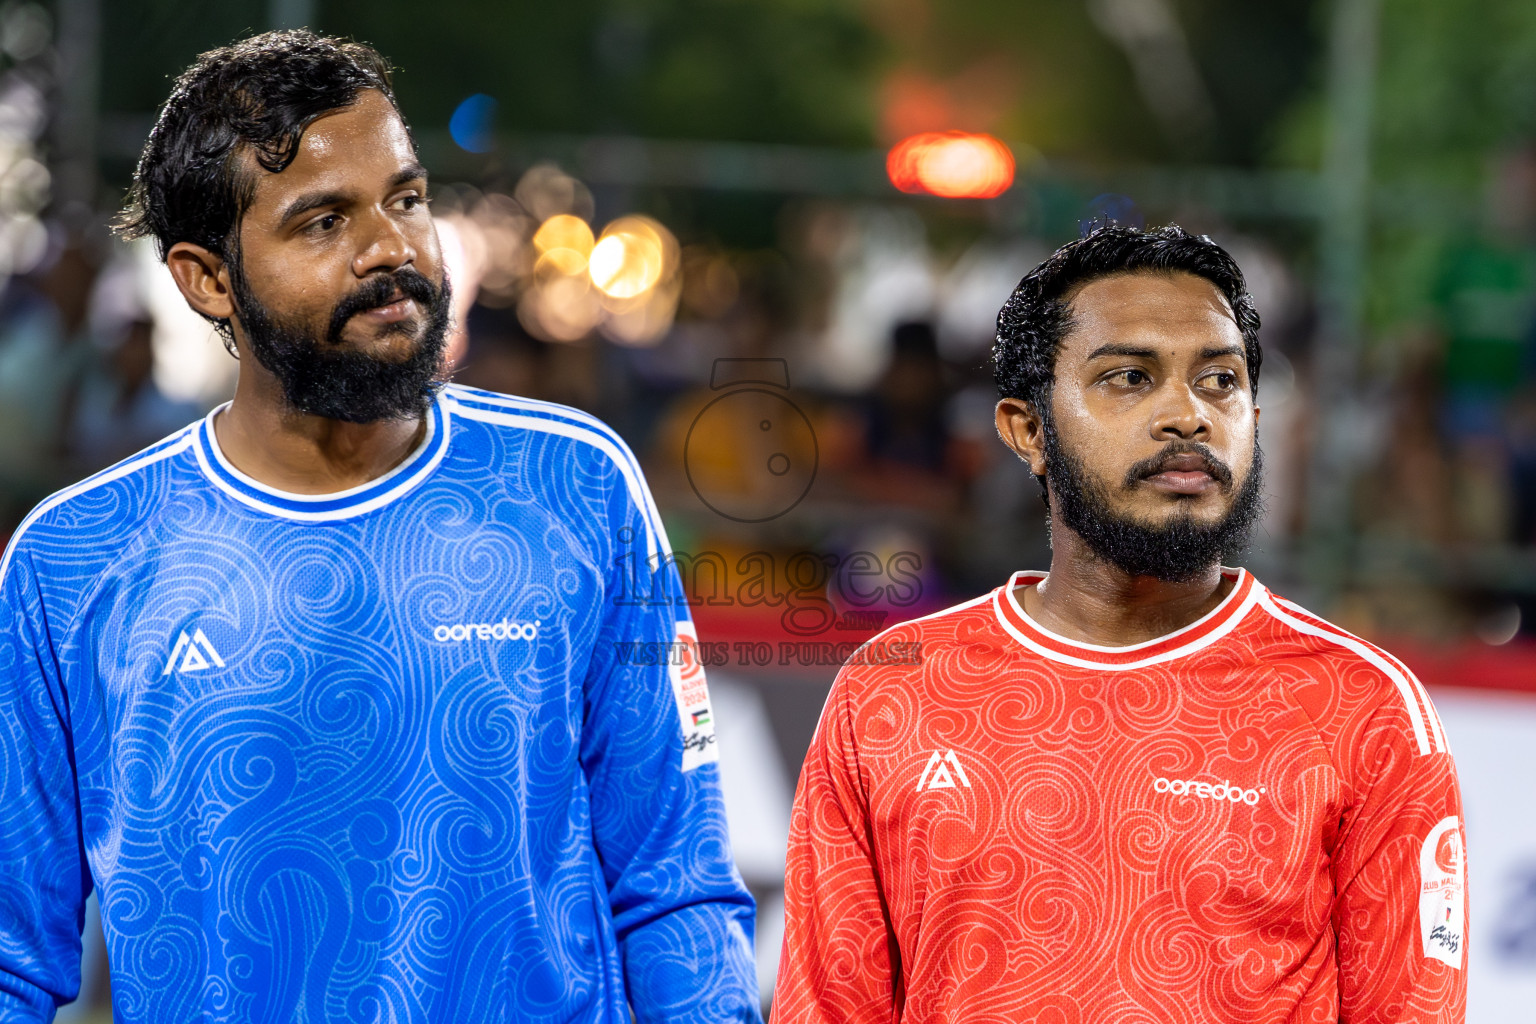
(1112, 208)
(471, 124)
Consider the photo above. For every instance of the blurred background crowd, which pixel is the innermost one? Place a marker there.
(767, 241)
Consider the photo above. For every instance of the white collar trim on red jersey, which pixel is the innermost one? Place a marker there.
(1203, 632)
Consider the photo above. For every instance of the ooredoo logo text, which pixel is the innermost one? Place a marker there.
(1222, 790)
(506, 629)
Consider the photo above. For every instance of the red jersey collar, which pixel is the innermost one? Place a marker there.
(1201, 633)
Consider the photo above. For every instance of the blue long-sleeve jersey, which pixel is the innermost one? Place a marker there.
(382, 755)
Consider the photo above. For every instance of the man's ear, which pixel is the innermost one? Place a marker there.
(1022, 429)
(203, 279)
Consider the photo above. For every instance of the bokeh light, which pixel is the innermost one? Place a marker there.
(473, 124)
(565, 243)
(26, 184)
(545, 190)
(629, 259)
(535, 251)
(956, 165)
(637, 265)
(560, 307)
(504, 231)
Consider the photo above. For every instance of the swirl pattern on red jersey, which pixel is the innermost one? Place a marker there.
(1224, 824)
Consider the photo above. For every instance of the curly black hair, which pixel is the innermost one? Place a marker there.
(1037, 315)
(258, 96)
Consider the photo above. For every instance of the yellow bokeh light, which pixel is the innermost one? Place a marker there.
(564, 241)
(560, 309)
(560, 262)
(625, 283)
(630, 259)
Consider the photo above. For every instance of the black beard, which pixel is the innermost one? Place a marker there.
(322, 379)
(1175, 552)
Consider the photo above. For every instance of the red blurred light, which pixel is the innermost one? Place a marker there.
(956, 165)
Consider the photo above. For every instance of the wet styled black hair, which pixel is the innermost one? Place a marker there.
(1037, 315)
(258, 96)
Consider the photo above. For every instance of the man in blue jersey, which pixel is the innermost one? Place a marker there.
(324, 694)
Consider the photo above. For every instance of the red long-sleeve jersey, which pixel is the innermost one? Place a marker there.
(1253, 819)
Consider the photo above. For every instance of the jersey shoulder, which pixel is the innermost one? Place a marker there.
(511, 414)
(1339, 674)
(588, 450)
(906, 649)
(947, 624)
(86, 522)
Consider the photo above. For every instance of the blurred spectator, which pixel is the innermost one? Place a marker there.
(1407, 493)
(1002, 527)
(117, 408)
(42, 354)
(907, 409)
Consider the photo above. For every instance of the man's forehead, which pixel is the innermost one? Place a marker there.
(366, 138)
(370, 122)
(1151, 301)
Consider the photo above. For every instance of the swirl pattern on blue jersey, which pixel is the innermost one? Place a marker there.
(363, 757)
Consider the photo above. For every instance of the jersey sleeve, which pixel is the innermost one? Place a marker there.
(839, 960)
(1400, 914)
(42, 860)
(682, 915)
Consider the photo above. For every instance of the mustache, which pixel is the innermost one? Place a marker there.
(380, 291)
(1219, 471)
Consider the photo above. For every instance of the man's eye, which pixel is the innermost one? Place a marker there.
(412, 202)
(1130, 378)
(1221, 381)
(326, 223)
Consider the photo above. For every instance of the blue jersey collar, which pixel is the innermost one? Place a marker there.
(323, 507)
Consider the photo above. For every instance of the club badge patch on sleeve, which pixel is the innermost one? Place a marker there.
(692, 693)
(1442, 896)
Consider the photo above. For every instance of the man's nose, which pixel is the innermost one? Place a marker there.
(386, 246)
(1180, 416)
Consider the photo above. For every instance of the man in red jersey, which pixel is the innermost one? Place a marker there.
(1141, 788)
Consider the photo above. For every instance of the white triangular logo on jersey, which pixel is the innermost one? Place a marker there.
(195, 652)
(937, 775)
